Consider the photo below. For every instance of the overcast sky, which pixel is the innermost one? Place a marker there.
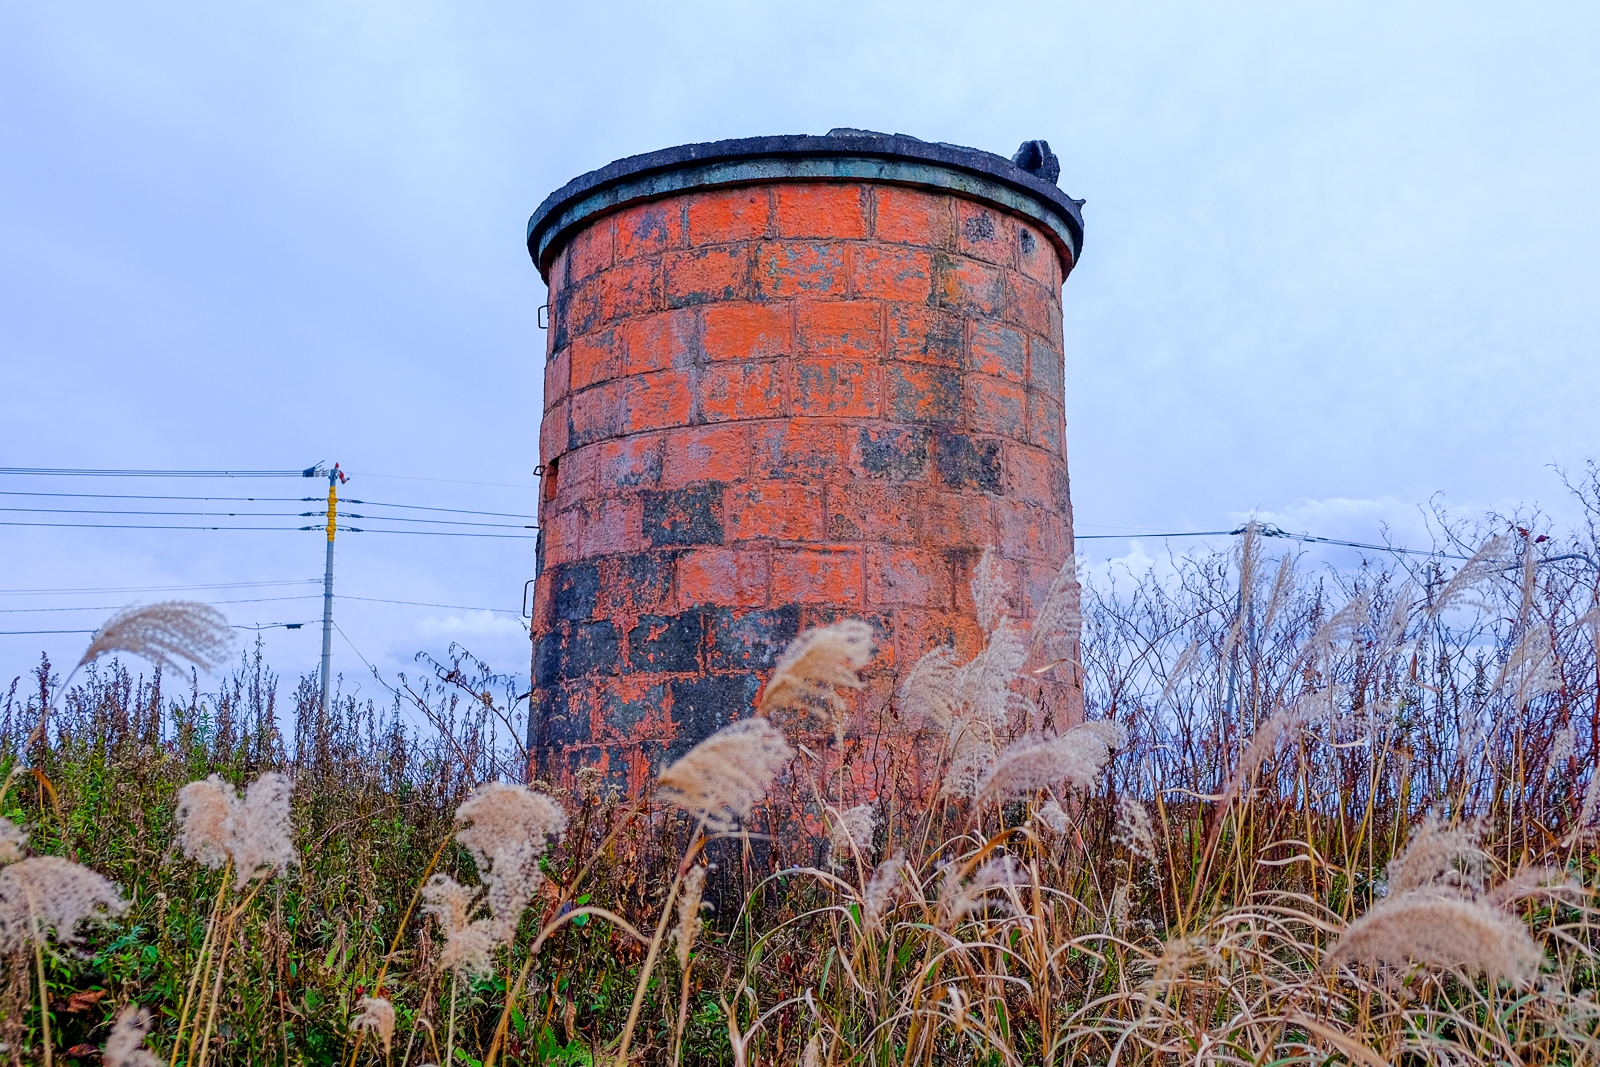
(1339, 258)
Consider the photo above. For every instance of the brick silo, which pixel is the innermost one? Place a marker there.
(788, 379)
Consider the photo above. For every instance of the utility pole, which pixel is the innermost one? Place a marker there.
(335, 477)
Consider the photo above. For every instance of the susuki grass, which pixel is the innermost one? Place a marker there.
(1314, 815)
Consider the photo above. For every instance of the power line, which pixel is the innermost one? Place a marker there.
(431, 533)
(425, 604)
(235, 626)
(75, 472)
(131, 526)
(452, 481)
(457, 511)
(189, 514)
(115, 607)
(260, 500)
(153, 588)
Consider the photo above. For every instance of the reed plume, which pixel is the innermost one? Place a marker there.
(164, 634)
(1135, 832)
(506, 828)
(721, 779)
(883, 888)
(689, 905)
(215, 825)
(1484, 564)
(852, 832)
(1441, 929)
(815, 665)
(931, 688)
(376, 1016)
(1440, 857)
(13, 839)
(469, 943)
(1075, 757)
(990, 590)
(125, 1046)
(958, 899)
(1052, 816)
(47, 898)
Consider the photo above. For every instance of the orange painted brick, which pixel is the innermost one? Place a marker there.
(1047, 370)
(919, 632)
(821, 210)
(780, 511)
(1037, 257)
(706, 454)
(630, 288)
(968, 285)
(659, 341)
(816, 575)
(600, 412)
(706, 275)
(1031, 532)
(1029, 475)
(611, 525)
(1029, 304)
(888, 272)
(797, 448)
(649, 229)
(633, 462)
(590, 251)
(658, 400)
(842, 387)
(839, 327)
(898, 577)
(983, 233)
(741, 391)
(998, 350)
(725, 577)
(924, 335)
(959, 520)
(747, 331)
(557, 377)
(562, 531)
(916, 392)
(553, 433)
(1036, 581)
(998, 406)
(597, 357)
(573, 476)
(793, 268)
(1047, 424)
(872, 511)
(728, 215)
(906, 216)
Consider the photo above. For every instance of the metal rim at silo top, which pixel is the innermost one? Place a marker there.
(849, 155)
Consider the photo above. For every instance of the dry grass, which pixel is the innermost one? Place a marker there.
(1336, 818)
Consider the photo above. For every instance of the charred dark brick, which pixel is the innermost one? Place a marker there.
(691, 516)
(894, 453)
(577, 587)
(978, 227)
(638, 584)
(666, 642)
(562, 721)
(967, 464)
(702, 706)
(1027, 240)
(751, 640)
(548, 656)
(592, 649)
(624, 716)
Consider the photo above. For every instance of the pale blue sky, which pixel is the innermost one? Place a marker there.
(1339, 257)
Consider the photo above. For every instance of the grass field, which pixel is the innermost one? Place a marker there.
(1315, 816)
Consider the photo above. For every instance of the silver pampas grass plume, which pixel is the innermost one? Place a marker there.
(47, 897)
(689, 904)
(507, 828)
(469, 944)
(215, 824)
(1440, 857)
(12, 841)
(164, 634)
(851, 831)
(376, 1016)
(125, 1046)
(816, 665)
(720, 779)
(1075, 757)
(1441, 929)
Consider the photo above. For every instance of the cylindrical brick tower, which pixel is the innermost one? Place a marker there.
(789, 379)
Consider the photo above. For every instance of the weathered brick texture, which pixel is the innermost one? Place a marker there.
(770, 406)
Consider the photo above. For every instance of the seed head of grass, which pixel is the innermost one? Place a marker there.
(989, 887)
(931, 688)
(47, 897)
(375, 1015)
(164, 634)
(1441, 929)
(1440, 857)
(883, 889)
(689, 904)
(852, 831)
(469, 944)
(13, 839)
(816, 665)
(125, 1046)
(507, 828)
(989, 590)
(1134, 829)
(1075, 757)
(721, 779)
(216, 824)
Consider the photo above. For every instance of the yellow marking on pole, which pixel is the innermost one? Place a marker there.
(333, 508)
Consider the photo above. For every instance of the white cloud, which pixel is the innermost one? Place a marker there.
(470, 624)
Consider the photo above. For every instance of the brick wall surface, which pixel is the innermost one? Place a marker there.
(769, 407)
